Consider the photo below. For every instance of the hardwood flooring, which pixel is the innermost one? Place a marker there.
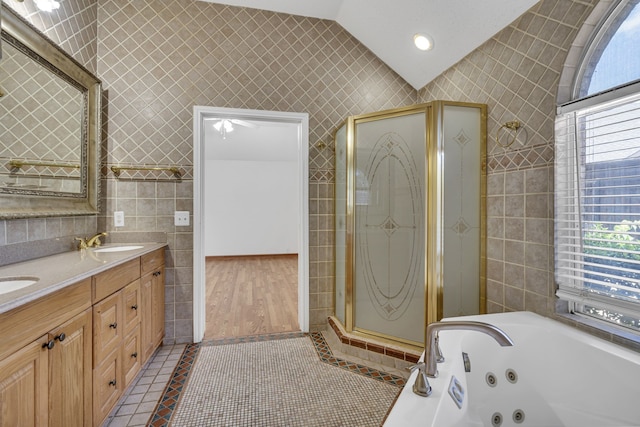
(251, 295)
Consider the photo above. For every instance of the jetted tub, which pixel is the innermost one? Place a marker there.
(553, 375)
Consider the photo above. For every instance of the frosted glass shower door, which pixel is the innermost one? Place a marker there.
(389, 221)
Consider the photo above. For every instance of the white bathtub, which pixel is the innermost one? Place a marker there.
(564, 378)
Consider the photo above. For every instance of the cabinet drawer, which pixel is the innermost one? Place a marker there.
(151, 261)
(131, 304)
(26, 323)
(107, 386)
(131, 356)
(110, 281)
(108, 327)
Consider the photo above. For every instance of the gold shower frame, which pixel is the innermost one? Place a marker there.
(434, 286)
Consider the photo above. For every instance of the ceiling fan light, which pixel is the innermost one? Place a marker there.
(422, 42)
(47, 5)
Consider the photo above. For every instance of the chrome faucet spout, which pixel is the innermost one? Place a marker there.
(431, 350)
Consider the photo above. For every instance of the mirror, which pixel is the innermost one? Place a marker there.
(49, 127)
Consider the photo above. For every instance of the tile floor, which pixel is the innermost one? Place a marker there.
(140, 400)
(282, 382)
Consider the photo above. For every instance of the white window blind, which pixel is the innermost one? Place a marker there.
(597, 217)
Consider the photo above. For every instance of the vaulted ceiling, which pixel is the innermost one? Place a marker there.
(387, 27)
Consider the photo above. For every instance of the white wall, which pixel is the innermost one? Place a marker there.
(251, 191)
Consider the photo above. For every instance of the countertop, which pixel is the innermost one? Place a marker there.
(58, 271)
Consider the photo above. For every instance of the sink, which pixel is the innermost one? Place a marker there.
(10, 284)
(119, 248)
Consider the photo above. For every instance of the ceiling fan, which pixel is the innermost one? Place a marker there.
(225, 126)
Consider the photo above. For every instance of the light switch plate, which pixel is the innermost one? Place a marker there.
(181, 218)
(118, 219)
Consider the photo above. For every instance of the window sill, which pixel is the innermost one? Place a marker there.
(616, 334)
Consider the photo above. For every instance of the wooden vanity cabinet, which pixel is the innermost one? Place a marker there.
(128, 324)
(66, 358)
(49, 380)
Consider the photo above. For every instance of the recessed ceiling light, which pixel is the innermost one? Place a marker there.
(422, 42)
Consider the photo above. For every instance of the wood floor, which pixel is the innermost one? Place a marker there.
(251, 295)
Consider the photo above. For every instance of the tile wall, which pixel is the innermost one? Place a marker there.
(159, 58)
(516, 73)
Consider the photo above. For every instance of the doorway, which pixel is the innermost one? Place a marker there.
(247, 148)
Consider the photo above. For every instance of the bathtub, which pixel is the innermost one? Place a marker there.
(553, 375)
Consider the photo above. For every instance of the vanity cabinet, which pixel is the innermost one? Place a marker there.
(128, 314)
(48, 380)
(67, 358)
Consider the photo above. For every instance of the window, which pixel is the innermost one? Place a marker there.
(597, 177)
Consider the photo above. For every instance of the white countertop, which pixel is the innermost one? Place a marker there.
(58, 271)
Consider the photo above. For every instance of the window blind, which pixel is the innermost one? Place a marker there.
(597, 205)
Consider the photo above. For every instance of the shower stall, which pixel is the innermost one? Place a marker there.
(410, 189)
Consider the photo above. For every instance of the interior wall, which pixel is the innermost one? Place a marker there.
(517, 74)
(251, 188)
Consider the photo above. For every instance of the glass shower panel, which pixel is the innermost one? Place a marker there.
(389, 229)
(462, 147)
(340, 141)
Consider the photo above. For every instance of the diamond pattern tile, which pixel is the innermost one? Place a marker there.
(24, 125)
(73, 27)
(516, 74)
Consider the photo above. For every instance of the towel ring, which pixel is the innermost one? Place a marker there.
(512, 125)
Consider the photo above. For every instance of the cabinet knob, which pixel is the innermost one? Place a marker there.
(49, 344)
(112, 382)
(135, 355)
(157, 273)
(134, 307)
(113, 325)
(60, 337)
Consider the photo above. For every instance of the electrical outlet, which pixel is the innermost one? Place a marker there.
(181, 218)
(118, 219)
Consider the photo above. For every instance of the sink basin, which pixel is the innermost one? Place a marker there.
(119, 248)
(10, 284)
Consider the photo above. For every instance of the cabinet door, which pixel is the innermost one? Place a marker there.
(24, 386)
(131, 298)
(131, 356)
(146, 302)
(108, 326)
(152, 300)
(70, 373)
(157, 303)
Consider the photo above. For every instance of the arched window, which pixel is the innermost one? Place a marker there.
(597, 176)
(613, 57)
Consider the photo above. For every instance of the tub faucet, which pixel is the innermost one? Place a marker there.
(432, 348)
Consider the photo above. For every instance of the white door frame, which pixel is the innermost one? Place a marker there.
(199, 184)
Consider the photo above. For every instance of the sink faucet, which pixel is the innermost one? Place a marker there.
(432, 350)
(90, 242)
